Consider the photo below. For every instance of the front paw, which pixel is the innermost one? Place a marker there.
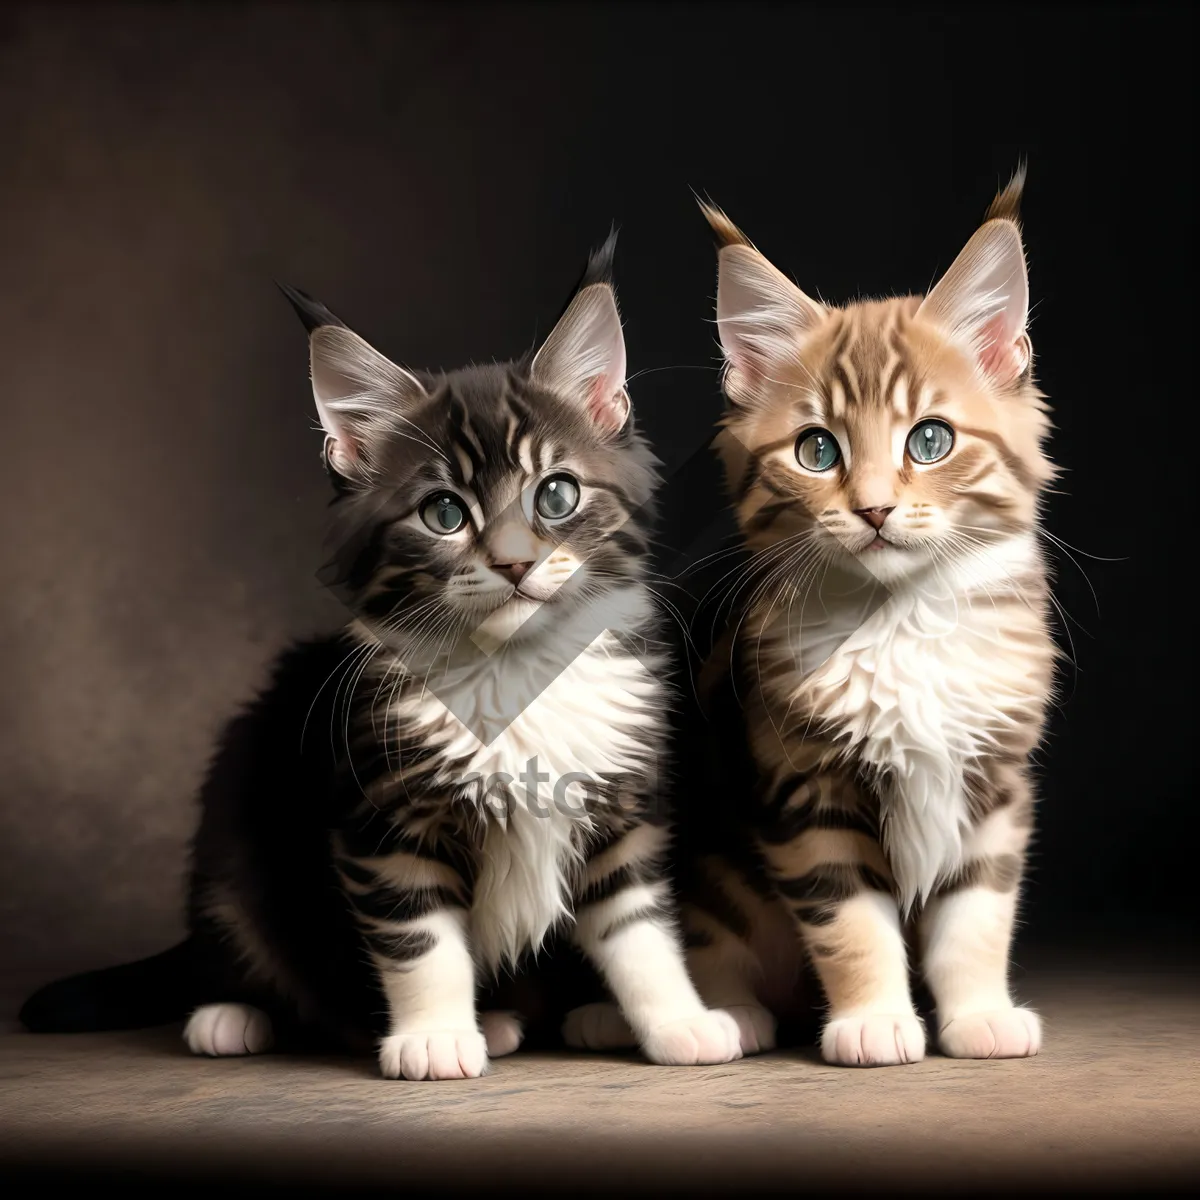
(444, 1054)
(756, 1027)
(1006, 1033)
(873, 1040)
(709, 1037)
(502, 1031)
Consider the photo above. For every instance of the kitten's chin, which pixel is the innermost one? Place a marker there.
(890, 563)
(506, 623)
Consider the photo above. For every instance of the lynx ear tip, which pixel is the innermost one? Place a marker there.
(312, 313)
(1007, 204)
(600, 261)
(728, 234)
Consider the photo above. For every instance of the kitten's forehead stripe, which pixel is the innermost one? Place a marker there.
(466, 466)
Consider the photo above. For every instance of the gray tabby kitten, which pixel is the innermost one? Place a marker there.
(366, 884)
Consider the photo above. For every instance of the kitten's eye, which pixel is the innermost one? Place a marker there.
(444, 513)
(930, 441)
(817, 450)
(558, 497)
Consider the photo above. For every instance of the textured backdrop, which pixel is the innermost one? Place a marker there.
(437, 176)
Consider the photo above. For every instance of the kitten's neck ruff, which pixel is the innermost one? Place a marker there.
(580, 691)
(914, 683)
(532, 729)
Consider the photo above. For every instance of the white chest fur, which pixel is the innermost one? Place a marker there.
(920, 686)
(585, 724)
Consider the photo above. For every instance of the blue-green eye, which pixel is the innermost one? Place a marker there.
(930, 441)
(558, 497)
(817, 450)
(444, 513)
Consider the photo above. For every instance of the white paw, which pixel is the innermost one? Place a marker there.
(502, 1031)
(756, 1025)
(223, 1030)
(598, 1027)
(708, 1037)
(1005, 1033)
(448, 1054)
(873, 1040)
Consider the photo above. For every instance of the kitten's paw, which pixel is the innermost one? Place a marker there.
(598, 1027)
(756, 1025)
(873, 1040)
(1005, 1033)
(224, 1030)
(709, 1037)
(444, 1054)
(502, 1031)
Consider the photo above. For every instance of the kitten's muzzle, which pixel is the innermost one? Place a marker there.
(513, 572)
(875, 517)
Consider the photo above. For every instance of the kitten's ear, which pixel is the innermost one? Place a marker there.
(762, 316)
(358, 391)
(982, 301)
(583, 358)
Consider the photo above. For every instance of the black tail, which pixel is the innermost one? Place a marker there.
(154, 991)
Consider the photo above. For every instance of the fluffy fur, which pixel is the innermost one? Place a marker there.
(471, 767)
(893, 659)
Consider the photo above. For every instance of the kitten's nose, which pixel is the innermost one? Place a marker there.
(874, 517)
(513, 572)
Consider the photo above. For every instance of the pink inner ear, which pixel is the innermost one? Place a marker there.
(607, 408)
(1002, 357)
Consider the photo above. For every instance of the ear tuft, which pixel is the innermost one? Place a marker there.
(600, 262)
(1007, 204)
(359, 393)
(762, 316)
(312, 313)
(982, 301)
(582, 359)
(728, 234)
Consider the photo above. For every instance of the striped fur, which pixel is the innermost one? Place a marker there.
(892, 656)
(496, 719)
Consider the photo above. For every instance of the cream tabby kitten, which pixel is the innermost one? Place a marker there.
(886, 463)
(891, 661)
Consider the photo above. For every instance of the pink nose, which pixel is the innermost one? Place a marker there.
(874, 517)
(513, 572)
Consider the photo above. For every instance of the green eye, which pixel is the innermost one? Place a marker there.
(817, 450)
(930, 441)
(444, 513)
(558, 497)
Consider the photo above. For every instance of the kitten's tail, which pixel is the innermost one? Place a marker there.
(154, 991)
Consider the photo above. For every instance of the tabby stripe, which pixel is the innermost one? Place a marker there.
(657, 911)
(710, 897)
(399, 946)
(786, 821)
(1001, 873)
(609, 885)
(386, 903)
(817, 894)
(1011, 461)
(380, 838)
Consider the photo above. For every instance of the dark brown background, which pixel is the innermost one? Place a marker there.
(437, 175)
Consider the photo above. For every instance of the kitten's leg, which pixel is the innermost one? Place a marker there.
(831, 872)
(412, 909)
(966, 933)
(625, 925)
(719, 914)
(226, 1030)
